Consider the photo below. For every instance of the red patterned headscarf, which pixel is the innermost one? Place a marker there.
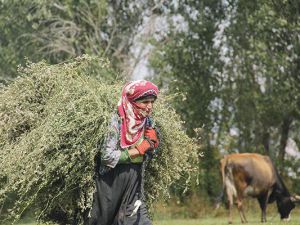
(133, 117)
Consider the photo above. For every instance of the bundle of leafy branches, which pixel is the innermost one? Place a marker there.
(52, 119)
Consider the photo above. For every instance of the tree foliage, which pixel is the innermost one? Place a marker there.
(60, 30)
(188, 63)
(236, 65)
(263, 45)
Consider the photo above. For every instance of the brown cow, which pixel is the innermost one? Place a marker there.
(254, 175)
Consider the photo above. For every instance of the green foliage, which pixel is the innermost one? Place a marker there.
(262, 88)
(53, 120)
(62, 29)
(237, 68)
(52, 117)
(54, 31)
(188, 64)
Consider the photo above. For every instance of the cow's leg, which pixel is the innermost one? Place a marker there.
(241, 210)
(263, 202)
(230, 190)
(230, 204)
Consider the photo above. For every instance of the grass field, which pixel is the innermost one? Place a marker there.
(221, 221)
(164, 215)
(210, 220)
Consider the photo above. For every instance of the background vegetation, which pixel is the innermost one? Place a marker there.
(232, 67)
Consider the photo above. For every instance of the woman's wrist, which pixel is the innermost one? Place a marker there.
(133, 153)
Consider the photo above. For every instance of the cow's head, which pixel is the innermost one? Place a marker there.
(286, 204)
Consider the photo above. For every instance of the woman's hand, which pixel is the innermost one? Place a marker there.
(152, 136)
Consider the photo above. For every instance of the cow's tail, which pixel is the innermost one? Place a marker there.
(219, 199)
(228, 182)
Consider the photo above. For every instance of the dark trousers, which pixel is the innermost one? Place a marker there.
(116, 193)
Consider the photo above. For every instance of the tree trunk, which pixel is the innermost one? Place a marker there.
(266, 142)
(285, 128)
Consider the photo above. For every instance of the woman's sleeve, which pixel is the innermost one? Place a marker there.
(110, 153)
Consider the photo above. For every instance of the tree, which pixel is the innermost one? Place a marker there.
(60, 30)
(263, 44)
(236, 66)
(187, 62)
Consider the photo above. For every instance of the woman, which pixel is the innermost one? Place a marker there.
(119, 189)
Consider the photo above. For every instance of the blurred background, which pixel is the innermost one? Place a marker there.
(233, 64)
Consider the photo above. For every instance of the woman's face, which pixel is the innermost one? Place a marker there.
(146, 105)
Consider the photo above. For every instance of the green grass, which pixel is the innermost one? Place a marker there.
(222, 220)
(212, 221)
(208, 216)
